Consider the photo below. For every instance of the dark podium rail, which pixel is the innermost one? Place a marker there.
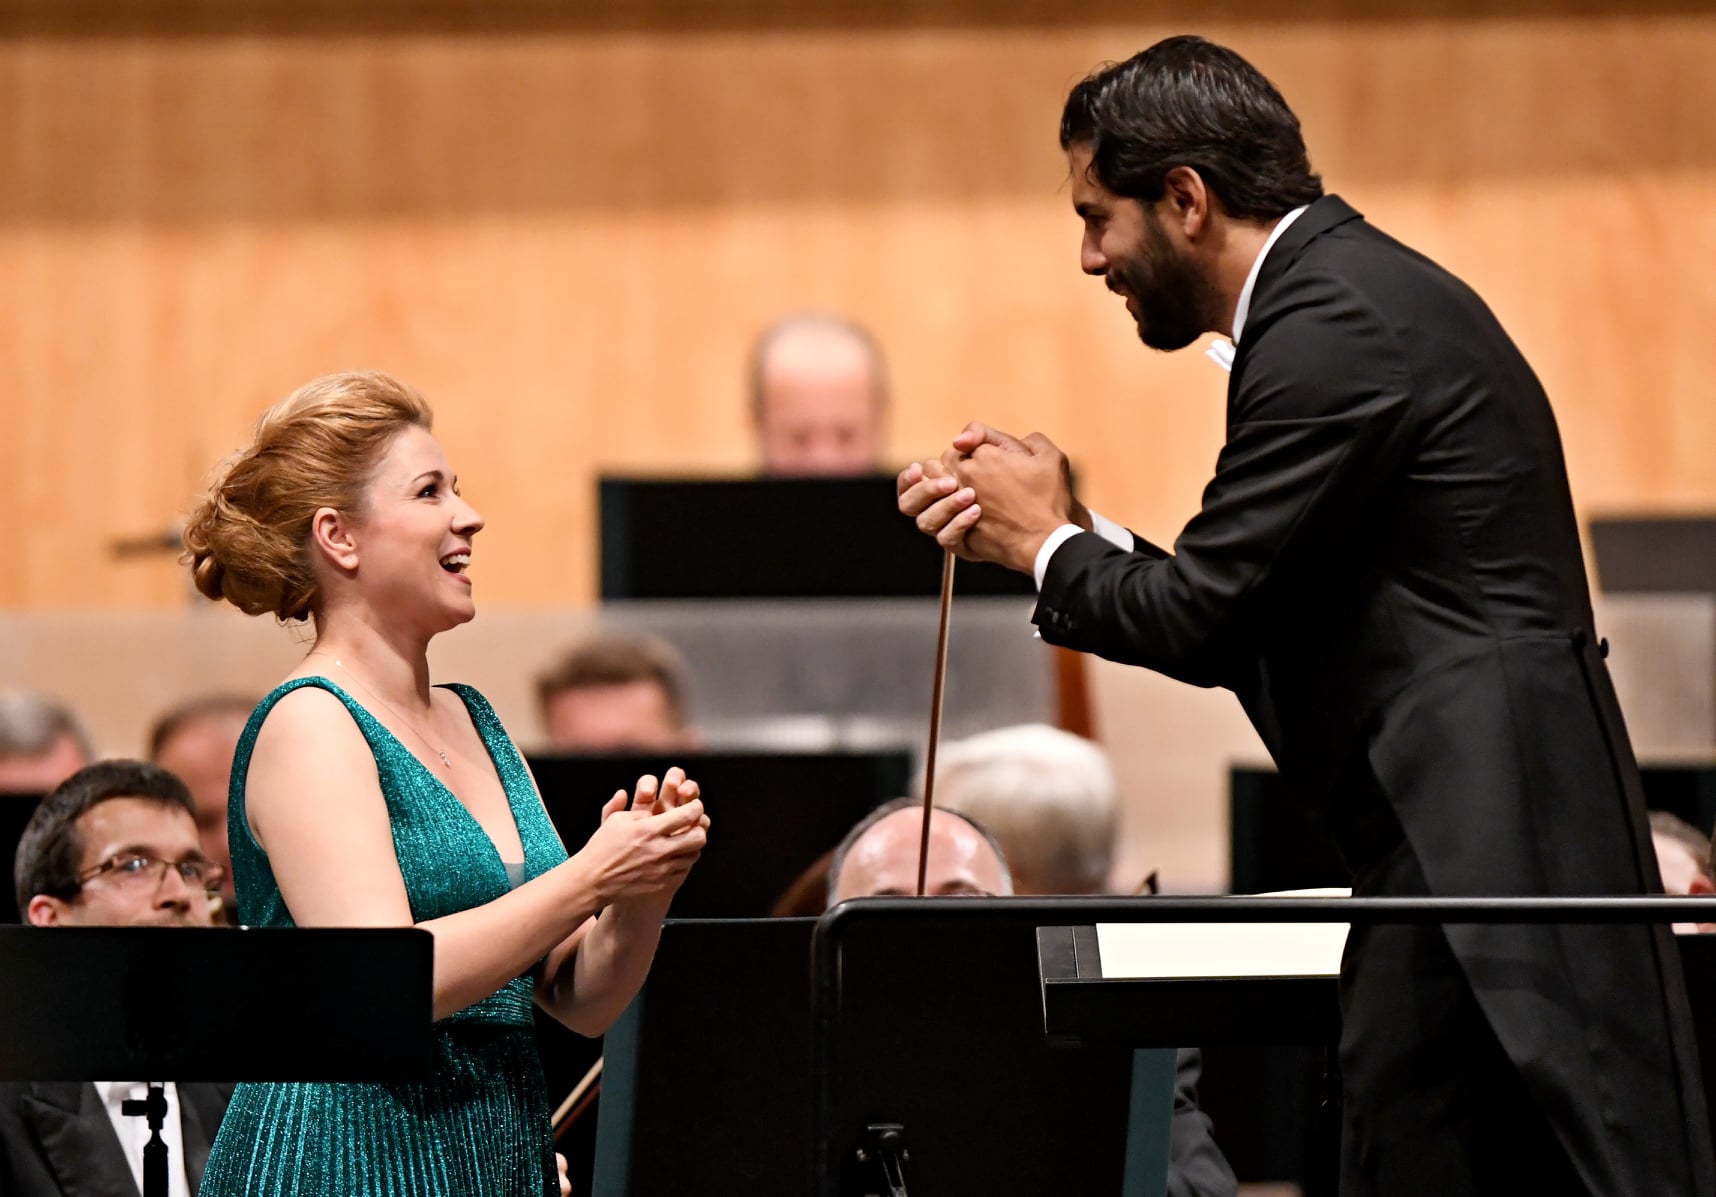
(884, 969)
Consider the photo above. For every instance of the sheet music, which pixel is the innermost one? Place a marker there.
(1164, 950)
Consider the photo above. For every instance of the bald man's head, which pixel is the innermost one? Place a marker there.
(818, 395)
(880, 858)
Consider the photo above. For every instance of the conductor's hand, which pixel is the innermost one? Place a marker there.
(646, 852)
(992, 496)
(941, 504)
(933, 498)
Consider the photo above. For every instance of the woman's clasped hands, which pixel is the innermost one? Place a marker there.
(646, 845)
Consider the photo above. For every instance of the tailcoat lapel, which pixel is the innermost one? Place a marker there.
(77, 1140)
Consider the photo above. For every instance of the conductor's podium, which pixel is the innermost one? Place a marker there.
(975, 1046)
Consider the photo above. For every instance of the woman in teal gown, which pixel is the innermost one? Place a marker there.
(362, 795)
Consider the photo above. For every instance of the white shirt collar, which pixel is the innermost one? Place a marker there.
(1243, 308)
(133, 1133)
(113, 1092)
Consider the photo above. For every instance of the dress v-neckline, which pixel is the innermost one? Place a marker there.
(444, 788)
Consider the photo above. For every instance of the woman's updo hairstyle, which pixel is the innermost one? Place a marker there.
(248, 541)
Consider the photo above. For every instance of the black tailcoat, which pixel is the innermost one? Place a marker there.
(1386, 570)
(57, 1140)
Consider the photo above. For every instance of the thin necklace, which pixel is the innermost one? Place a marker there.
(411, 727)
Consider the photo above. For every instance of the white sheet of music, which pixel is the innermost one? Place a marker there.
(1163, 950)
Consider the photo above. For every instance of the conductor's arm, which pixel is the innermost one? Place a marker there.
(1315, 443)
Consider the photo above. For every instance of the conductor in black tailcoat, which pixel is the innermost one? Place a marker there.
(1386, 570)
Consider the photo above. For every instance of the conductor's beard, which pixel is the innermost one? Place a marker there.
(1166, 292)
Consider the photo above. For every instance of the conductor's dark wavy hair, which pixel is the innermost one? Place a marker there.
(1189, 102)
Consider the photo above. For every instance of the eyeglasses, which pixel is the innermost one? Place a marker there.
(134, 871)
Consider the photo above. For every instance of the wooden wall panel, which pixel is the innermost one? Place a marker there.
(566, 232)
(565, 221)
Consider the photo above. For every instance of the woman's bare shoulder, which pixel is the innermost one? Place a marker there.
(311, 740)
(308, 712)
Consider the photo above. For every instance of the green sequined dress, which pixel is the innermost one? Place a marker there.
(479, 1128)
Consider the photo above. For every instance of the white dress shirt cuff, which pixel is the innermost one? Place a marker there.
(1110, 531)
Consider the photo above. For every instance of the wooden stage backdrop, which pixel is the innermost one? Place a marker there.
(565, 224)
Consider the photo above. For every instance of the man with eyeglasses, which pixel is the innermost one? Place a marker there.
(115, 845)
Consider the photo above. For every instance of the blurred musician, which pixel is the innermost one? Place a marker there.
(41, 743)
(614, 692)
(819, 396)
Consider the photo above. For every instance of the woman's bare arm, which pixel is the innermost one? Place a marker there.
(315, 806)
(588, 980)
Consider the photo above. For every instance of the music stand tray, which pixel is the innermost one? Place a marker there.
(1083, 1005)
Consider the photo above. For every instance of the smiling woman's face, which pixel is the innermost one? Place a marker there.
(414, 536)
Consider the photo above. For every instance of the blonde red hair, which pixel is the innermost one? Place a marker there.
(248, 541)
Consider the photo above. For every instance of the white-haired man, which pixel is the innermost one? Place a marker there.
(1048, 795)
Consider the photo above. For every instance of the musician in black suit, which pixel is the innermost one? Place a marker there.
(1386, 570)
(57, 1139)
(114, 845)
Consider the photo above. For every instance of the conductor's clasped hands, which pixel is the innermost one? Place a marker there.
(992, 496)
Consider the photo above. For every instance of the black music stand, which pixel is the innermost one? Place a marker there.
(1660, 553)
(1273, 846)
(15, 812)
(775, 813)
(91, 1003)
(706, 1086)
(1269, 1080)
(934, 1074)
(698, 538)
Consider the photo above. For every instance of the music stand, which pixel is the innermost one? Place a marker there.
(1662, 553)
(929, 1020)
(15, 812)
(1688, 791)
(773, 814)
(91, 1003)
(697, 538)
(722, 1028)
(1272, 845)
